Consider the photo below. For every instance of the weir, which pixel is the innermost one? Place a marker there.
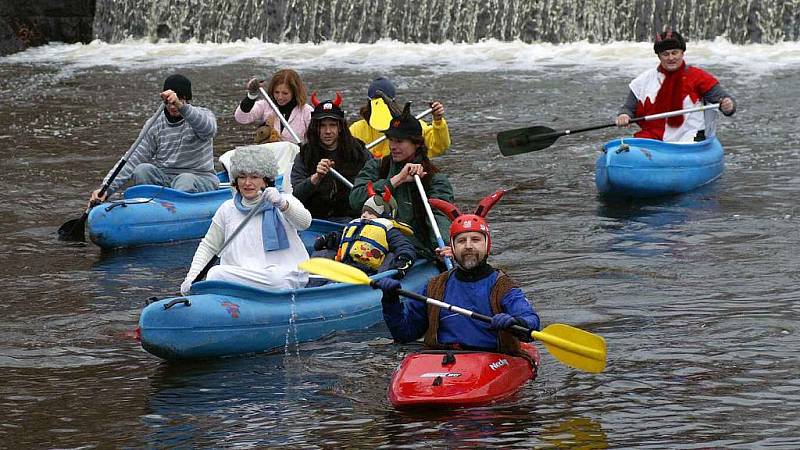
(436, 21)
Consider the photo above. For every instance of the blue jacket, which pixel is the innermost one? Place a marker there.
(408, 320)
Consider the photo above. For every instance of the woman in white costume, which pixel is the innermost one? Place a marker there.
(267, 250)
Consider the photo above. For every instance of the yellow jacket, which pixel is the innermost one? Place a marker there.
(437, 137)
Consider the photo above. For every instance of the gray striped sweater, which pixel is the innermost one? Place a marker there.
(180, 147)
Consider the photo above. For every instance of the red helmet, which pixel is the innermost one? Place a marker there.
(462, 223)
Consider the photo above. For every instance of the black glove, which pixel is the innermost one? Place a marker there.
(402, 264)
(329, 241)
(502, 321)
(389, 286)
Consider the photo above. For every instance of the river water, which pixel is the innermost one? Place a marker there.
(696, 295)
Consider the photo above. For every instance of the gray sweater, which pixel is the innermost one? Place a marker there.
(180, 147)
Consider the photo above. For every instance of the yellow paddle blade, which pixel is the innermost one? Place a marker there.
(380, 116)
(574, 347)
(334, 270)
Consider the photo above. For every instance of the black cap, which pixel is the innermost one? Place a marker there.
(404, 126)
(180, 85)
(669, 40)
(327, 109)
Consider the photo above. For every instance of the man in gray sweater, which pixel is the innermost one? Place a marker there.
(177, 151)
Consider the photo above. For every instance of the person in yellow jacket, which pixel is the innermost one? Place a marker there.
(381, 91)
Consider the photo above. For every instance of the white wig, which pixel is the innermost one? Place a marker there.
(254, 160)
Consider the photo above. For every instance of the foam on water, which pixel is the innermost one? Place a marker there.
(617, 58)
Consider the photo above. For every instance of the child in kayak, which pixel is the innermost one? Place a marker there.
(288, 92)
(472, 285)
(375, 242)
(266, 251)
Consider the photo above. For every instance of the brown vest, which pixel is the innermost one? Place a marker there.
(508, 343)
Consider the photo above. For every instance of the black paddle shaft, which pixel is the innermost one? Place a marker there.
(524, 140)
(452, 308)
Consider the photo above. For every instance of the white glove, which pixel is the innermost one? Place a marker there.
(275, 197)
(186, 286)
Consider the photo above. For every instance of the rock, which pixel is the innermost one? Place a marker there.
(25, 24)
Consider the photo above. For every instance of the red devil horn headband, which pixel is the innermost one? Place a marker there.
(481, 211)
(314, 99)
(387, 194)
(447, 208)
(370, 190)
(486, 204)
(338, 100)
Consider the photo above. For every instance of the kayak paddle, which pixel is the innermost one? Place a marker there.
(572, 346)
(432, 219)
(75, 229)
(530, 139)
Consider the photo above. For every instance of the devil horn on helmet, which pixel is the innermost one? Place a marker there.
(370, 190)
(387, 194)
(486, 204)
(446, 207)
(338, 100)
(314, 99)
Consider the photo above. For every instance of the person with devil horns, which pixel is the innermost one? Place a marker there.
(473, 284)
(408, 158)
(329, 146)
(673, 86)
(374, 242)
(371, 126)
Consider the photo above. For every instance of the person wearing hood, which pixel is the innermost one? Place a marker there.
(673, 86)
(178, 149)
(288, 92)
(374, 242)
(380, 101)
(266, 252)
(408, 158)
(473, 285)
(329, 146)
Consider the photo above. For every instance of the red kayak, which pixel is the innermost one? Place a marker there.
(451, 379)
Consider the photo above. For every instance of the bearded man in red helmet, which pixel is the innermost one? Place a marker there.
(473, 284)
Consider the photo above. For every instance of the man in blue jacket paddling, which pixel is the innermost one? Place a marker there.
(473, 284)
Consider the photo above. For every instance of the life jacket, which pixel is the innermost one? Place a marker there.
(365, 244)
(507, 342)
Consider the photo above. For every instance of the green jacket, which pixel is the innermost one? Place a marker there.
(436, 186)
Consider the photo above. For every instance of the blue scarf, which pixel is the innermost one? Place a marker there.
(272, 231)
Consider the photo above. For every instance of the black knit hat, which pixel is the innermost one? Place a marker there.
(669, 40)
(180, 85)
(404, 126)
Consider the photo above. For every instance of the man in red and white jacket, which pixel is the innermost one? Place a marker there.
(674, 86)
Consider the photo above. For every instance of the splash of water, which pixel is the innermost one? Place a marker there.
(366, 21)
(291, 330)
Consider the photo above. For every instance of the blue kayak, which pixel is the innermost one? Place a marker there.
(649, 168)
(150, 214)
(225, 319)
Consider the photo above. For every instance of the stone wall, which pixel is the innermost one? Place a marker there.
(28, 23)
